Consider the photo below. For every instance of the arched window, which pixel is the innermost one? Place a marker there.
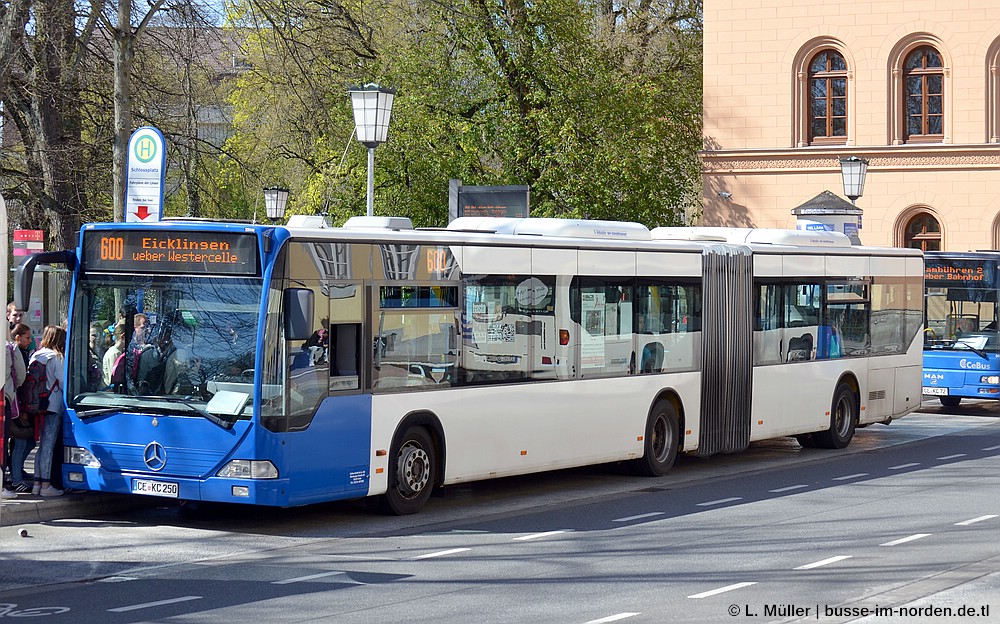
(924, 96)
(828, 98)
(923, 232)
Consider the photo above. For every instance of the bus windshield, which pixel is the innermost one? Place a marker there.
(961, 305)
(168, 343)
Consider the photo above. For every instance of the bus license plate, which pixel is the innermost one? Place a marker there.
(155, 488)
(935, 390)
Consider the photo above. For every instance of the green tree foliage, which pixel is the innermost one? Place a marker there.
(596, 107)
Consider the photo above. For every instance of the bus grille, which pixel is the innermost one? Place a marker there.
(181, 462)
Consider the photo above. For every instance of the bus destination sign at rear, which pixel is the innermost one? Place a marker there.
(133, 251)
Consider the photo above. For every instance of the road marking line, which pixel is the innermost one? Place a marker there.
(524, 538)
(712, 592)
(117, 579)
(158, 603)
(852, 476)
(903, 540)
(816, 564)
(613, 618)
(441, 553)
(720, 501)
(955, 456)
(901, 466)
(975, 520)
(307, 578)
(639, 517)
(788, 489)
(992, 448)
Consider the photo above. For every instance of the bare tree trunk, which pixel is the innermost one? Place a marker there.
(124, 37)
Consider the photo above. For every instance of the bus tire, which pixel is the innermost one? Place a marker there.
(950, 401)
(660, 442)
(412, 473)
(843, 419)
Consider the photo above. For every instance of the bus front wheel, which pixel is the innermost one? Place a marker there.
(661, 441)
(950, 401)
(412, 472)
(843, 420)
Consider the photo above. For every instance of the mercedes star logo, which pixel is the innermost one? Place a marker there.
(155, 456)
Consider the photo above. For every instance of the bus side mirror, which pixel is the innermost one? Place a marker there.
(299, 306)
(26, 271)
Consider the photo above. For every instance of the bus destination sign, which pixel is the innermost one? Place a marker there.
(148, 251)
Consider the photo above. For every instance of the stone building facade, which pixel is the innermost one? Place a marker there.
(912, 86)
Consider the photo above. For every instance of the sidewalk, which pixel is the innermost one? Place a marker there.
(27, 508)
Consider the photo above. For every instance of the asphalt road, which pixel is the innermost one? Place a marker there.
(903, 523)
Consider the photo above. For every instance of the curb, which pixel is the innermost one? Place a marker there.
(82, 505)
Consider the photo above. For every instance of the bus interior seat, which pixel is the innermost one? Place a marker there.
(652, 358)
(800, 348)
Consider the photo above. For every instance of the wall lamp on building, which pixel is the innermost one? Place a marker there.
(275, 200)
(372, 106)
(853, 171)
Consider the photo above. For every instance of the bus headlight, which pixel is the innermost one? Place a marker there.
(248, 469)
(990, 379)
(81, 456)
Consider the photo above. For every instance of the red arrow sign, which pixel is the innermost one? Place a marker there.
(142, 212)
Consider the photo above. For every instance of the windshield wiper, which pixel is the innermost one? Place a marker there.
(222, 422)
(97, 411)
(981, 353)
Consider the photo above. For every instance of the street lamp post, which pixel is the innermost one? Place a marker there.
(372, 106)
(275, 199)
(853, 171)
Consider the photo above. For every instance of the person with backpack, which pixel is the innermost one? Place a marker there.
(51, 403)
(19, 441)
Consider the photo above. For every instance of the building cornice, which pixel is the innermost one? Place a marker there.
(827, 158)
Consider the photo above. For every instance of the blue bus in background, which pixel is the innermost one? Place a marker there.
(961, 343)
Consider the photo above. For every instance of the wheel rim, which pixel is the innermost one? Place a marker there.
(413, 470)
(843, 417)
(659, 442)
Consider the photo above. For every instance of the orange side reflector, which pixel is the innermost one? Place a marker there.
(563, 337)
(862, 408)
(524, 452)
(381, 453)
(688, 432)
(638, 439)
(828, 413)
(379, 470)
(760, 422)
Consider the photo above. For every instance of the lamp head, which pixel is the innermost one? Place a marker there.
(853, 170)
(275, 200)
(372, 106)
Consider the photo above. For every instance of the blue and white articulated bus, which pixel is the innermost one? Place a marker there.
(961, 341)
(288, 365)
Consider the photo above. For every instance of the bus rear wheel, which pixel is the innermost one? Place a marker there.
(843, 419)
(950, 401)
(660, 442)
(412, 473)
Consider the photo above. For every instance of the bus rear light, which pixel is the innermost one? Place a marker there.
(563, 337)
(546, 360)
(990, 379)
(248, 469)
